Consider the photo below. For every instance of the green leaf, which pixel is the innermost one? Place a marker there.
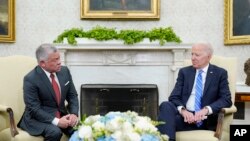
(129, 36)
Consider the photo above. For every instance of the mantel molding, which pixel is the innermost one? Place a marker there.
(121, 46)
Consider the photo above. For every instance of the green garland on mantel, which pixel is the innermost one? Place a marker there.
(129, 36)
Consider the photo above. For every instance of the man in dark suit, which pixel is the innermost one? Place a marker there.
(180, 112)
(45, 112)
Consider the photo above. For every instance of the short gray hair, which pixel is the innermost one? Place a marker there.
(43, 51)
(207, 47)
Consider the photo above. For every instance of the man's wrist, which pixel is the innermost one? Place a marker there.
(55, 121)
(183, 108)
(206, 110)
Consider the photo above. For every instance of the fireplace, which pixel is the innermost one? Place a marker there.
(103, 98)
(142, 63)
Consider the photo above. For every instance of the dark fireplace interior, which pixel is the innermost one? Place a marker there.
(103, 98)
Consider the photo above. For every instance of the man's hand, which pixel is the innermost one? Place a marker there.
(64, 121)
(188, 116)
(201, 115)
(73, 120)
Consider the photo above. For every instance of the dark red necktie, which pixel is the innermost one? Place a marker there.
(57, 92)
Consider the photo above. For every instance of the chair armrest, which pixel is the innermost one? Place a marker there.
(13, 128)
(224, 112)
(230, 110)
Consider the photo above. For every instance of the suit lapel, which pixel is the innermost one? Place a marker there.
(46, 81)
(61, 83)
(191, 79)
(209, 78)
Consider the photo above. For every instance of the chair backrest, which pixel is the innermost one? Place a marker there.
(13, 69)
(229, 64)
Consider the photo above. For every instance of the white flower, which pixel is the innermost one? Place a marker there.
(85, 132)
(98, 126)
(133, 136)
(115, 124)
(92, 119)
(127, 126)
(144, 124)
(118, 135)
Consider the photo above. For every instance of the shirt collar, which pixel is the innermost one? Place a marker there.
(48, 73)
(203, 69)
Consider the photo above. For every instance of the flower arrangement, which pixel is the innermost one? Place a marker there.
(118, 126)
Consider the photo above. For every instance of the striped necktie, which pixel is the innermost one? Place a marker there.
(198, 94)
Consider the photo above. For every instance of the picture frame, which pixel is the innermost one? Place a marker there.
(7, 21)
(120, 9)
(236, 22)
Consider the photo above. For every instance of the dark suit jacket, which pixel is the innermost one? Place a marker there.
(216, 90)
(40, 100)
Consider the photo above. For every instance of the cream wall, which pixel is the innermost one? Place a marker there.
(193, 20)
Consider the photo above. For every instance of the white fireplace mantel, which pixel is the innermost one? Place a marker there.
(116, 63)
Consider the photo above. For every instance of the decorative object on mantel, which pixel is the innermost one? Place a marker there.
(118, 126)
(247, 71)
(128, 36)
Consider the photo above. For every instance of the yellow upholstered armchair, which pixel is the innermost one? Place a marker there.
(13, 69)
(226, 114)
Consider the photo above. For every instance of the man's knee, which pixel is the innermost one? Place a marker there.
(53, 133)
(166, 105)
(57, 133)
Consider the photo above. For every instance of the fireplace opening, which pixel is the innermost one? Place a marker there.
(103, 98)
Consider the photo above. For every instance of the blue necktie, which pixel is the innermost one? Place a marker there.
(198, 94)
